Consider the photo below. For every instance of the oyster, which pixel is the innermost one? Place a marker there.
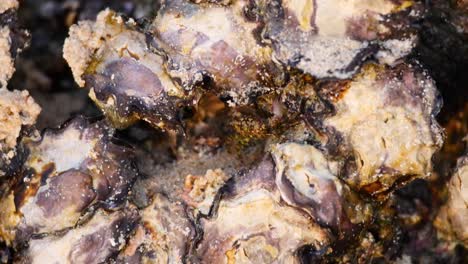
(386, 118)
(455, 211)
(79, 157)
(308, 181)
(165, 234)
(101, 238)
(226, 52)
(252, 225)
(332, 38)
(126, 80)
(300, 119)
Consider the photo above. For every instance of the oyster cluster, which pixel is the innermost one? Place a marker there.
(234, 131)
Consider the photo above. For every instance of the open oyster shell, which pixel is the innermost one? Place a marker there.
(165, 234)
(227, 52)
(332, 38)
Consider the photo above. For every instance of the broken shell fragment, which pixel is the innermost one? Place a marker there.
(79, 157)
(386, 118)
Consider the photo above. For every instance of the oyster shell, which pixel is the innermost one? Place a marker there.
(145, 73)
(165, 234)
(126, 80)
(101, 238)
(281, 176)
(251, 224)
(79, 157)
(386, 118)
(227, 52)
(332, 38)
(455, 211)
(308, 181)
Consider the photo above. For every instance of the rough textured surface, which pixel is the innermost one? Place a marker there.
(235, 132)
(79, 157)
(250, 51)
(252, 225)
(6, 61)
(17, 109)
(8, 4)
(332, 38)
(455, 211)
(387, 116)
(101, 238)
